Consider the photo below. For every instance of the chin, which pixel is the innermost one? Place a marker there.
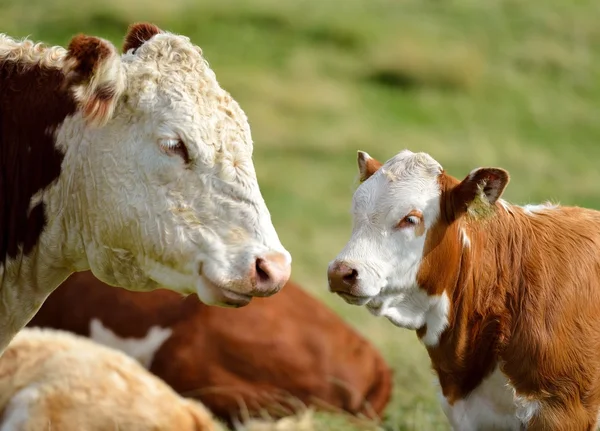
(212, 294)
(355, 300)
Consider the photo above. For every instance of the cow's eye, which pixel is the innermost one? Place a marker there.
(174, 147)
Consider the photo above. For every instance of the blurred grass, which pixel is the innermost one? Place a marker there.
(511, 83)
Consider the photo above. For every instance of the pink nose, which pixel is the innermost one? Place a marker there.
(342, 277)
(269, 273)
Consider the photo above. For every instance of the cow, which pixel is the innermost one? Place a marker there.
(56, 380)
(136, 166)
(505, 298)
(276, 355)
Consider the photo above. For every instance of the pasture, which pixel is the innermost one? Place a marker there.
(507, 83)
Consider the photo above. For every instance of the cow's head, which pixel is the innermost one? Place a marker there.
(402, 212)
(158, 170)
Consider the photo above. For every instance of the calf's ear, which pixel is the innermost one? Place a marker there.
(94, 76)
(367, 165)
(479, 191)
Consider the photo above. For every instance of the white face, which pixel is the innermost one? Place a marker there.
(170, 196)
(392, 212)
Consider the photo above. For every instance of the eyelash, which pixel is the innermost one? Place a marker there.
(176, 147)
(412, 220)
(409, 221)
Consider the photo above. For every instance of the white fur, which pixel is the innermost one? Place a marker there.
(465, 237)
(18, 409)
(533, 209)
(490, 406)
(505, 205)
(30, 53)
(436, 319)
(387, 258)
(136, 216)
(142, 349)
(526, 408)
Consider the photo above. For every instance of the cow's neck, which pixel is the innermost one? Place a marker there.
(480, 276)
(32, 107)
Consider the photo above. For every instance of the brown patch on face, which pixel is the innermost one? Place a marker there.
(33, 104)
(420, 229)
(212, 356)
(138, 34)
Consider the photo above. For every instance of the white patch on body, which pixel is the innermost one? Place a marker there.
(505, 205)
(533, 209)
(466, 242)
(17, 412)
(490, 406)
(142, 349)
(436, 319)
(526, 408)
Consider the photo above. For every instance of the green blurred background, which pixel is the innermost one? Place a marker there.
(510, 83)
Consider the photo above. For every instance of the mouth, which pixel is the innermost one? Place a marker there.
(354, 299)
(235, 299)
(225, 297)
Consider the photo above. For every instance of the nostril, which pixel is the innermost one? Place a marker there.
(351, 277)
(262, 276)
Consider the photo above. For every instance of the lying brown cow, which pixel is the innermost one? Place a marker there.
(268, 355)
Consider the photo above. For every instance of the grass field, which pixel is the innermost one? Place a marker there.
(513, 83)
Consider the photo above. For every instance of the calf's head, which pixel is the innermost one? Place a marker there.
(159, 176)
(405, 212)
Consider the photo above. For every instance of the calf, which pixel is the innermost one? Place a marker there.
(55, 380)
(506, 299)
(137, 166)
(278, 352)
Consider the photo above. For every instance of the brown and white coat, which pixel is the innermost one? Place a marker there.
(137, 166)
(505, 298)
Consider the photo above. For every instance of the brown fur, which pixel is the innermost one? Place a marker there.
(32, 104)
(86, 54)
(138, 33)
(36, 95)
(277, 350)
(525, 295)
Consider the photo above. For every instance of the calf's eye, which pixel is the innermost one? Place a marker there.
(412, 219)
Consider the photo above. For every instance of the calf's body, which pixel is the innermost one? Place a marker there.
(505, 298)
(55, 380)
(276, 354)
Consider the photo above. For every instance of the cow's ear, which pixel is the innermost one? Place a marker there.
(367, 165)
(479, 191)
(138, 33)
(94, 76)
